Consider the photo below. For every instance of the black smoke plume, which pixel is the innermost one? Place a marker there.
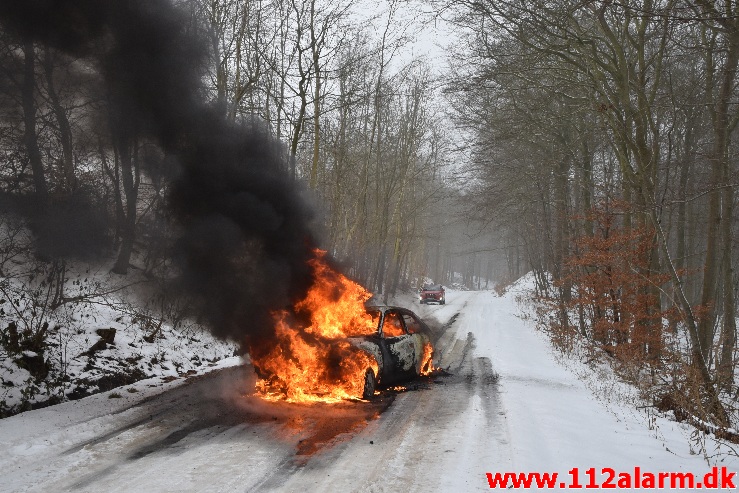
(245, 235)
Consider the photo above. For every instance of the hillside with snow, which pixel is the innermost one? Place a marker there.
(98, 332)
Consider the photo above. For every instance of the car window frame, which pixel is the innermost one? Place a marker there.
(402, 324)
(415, 319)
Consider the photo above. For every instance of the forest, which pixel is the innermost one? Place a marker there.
(591, 143)
(604, 144)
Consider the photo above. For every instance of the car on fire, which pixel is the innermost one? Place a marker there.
(401, 347)
(432, 293)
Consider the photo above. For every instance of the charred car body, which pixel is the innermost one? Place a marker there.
(401, 347)
(432, 293)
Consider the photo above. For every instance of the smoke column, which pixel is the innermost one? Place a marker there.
(246, 235)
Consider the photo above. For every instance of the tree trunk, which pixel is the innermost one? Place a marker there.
(681, 226)
(130, 180)
(315, 52)
(719, 163)
(29, 120)
(298, 128)
(728, 327)
(65, 129)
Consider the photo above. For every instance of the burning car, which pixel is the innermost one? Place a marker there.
(432, 292)
(400, 347)
(333, 346)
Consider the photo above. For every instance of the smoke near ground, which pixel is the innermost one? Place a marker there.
(245, 228)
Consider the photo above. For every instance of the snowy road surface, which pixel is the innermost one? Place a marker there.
(441, 435)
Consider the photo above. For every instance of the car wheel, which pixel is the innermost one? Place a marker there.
(369, 384)
(443, 302)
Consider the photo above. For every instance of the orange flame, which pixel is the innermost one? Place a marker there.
(427, 367)
(317, 363)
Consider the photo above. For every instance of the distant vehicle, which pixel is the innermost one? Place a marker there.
(401, 347)
(432, 293)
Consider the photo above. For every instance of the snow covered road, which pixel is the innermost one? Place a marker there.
(507, 405)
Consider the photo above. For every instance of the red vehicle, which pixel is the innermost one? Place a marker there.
(432, 293)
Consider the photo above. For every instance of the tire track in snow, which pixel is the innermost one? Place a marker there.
(425, 434)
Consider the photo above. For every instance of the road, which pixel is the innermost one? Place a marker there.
(506, 401)
(209, 435)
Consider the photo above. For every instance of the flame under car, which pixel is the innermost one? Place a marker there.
(401, 348)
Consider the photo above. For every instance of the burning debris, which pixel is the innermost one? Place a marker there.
(427, 367)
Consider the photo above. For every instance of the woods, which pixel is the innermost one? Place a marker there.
(360, 126)
(622, 118)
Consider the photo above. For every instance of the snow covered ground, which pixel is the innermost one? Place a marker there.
(556, 421)
(73, 360)
(510, 404)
